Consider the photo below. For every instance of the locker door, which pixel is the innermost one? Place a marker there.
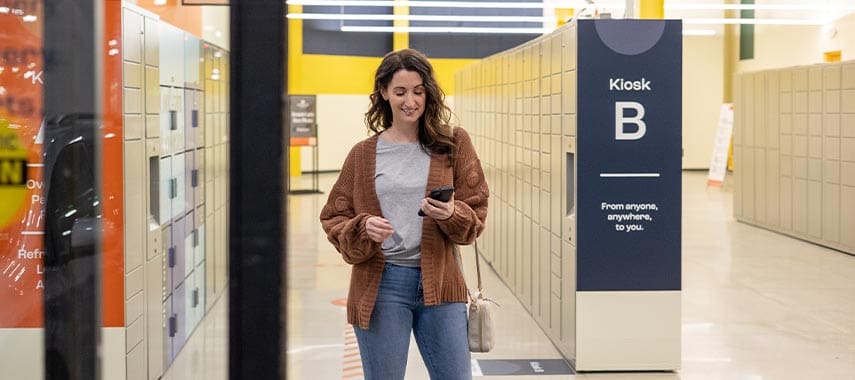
(188, 240)
(198, 177)
(191, 118)
(165, 194)
(171, 327)
(199, 239)
(179, 313)
(189, 189)
(178, 186)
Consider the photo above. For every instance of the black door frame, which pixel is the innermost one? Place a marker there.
(258, 187)
(72, 59)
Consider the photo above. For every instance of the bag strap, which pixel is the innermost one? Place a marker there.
(459, 261)
(478, 265)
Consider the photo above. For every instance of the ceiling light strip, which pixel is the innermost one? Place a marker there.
(449, 4)
(390, 17)
(472, 30)
(438, 29)
(566, 4)
(763, 7)
(752, 21)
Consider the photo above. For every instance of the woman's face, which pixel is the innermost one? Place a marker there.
(406, 96)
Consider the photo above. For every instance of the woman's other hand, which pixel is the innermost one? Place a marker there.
(378, 229)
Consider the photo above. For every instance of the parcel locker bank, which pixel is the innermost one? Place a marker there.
(579, 134)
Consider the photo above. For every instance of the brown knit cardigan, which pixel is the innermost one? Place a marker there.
(353, 200)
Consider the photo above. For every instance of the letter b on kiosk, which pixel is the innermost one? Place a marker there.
(621, 120)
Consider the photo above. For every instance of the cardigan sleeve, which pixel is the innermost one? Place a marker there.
(344, 227)
(470, 194)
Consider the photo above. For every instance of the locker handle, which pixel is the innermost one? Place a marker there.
(173, 120)
(195, 237)
(195, 297)
(172, 257)
(173, 188)
(173, 325)
(194, 178)
(194, 118)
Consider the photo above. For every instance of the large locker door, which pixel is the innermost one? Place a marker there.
(176, 255)
(191, 48)
(171, 56)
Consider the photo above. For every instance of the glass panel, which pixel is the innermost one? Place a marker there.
(22, 195)
(160, 159)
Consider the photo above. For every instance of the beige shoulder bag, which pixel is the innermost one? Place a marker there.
(481, 329)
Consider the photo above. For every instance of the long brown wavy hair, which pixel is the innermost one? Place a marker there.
(435, 131)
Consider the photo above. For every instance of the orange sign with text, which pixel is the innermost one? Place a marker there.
(22, 186)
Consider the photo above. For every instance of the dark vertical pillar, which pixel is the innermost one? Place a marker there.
(258, 188)
(72, 101)
(746, 32)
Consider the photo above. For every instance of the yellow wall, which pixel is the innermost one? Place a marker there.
(335, 74)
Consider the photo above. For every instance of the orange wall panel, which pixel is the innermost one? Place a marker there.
(112, 166)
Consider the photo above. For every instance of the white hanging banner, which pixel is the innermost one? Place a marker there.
(718, 161)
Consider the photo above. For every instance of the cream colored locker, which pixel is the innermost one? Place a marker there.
(759, 179)
(155, 296)
(567, 343)
(171, 56)
(786, 150)
(772, 172)
(847, 216)
(738, 143)
(135, 211)
(847, 159)
(749, 147)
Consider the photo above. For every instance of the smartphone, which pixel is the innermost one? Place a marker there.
(442, 194)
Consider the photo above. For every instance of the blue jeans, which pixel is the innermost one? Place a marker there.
(440, 331)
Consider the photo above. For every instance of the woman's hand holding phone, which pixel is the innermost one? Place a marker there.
(439, 204)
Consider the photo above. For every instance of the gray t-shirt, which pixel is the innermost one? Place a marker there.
(400, 180)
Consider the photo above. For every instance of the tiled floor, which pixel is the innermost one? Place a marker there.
(756, 305)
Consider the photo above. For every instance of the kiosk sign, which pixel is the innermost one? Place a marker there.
(629, 138)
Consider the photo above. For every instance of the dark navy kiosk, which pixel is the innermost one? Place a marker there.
(628, 170)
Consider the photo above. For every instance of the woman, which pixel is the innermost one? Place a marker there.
(404, 275)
